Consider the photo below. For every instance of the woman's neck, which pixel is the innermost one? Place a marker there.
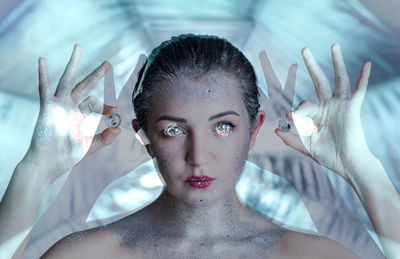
(220, 218)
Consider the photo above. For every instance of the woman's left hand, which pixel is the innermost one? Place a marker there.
(331, 133)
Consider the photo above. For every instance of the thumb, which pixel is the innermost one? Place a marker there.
(103, 139)
(293, 140)
(290, 83)
(109, 87)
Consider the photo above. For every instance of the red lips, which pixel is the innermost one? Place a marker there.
(199, 182)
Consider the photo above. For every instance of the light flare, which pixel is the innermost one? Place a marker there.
(61, 121)
(89, 125)
(304, 125)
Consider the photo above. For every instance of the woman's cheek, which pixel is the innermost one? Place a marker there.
(162, 159)
(241, 155)
(166, 158)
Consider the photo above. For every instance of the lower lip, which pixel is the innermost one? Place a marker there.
(199, 184)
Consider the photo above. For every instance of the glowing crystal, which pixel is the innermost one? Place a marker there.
(284, 124)
(113, 120)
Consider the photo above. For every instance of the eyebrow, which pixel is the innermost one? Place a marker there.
(170, 118)
(177, 119)
(216, 116)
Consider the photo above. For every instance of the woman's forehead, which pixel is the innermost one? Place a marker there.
(209, 87)
(203, 97)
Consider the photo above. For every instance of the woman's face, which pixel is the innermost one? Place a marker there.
(200, 134)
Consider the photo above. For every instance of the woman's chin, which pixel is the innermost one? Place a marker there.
(202, 198)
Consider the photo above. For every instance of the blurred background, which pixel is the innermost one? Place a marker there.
(120, 30)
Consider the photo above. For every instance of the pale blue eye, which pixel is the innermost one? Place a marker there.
(224, 129)
(172, 131)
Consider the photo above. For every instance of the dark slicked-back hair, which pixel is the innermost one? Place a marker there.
(193, 56)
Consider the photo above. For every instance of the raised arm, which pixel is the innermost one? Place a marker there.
(306, 176)
(332, 134)
(123, 155)
(58, 143)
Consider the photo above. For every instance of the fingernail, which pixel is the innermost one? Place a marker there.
(305, 51)
(106, 65)
(42, 61)
(368, 65)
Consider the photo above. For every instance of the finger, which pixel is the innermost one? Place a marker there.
(125, 104)
(92, 104)
(321, 83)
(45, 93)
(138, 85)
(86, 85)
(290, 83)
(109, 88)
(103, 139)
(269, 74)
(342, 81)
(263, 99)
(362, 83)
(130, 84)
(292, 140)
(67, 79)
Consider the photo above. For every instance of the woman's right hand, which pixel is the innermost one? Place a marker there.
(59, 140)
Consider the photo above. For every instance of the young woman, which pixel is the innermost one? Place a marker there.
(197, 108)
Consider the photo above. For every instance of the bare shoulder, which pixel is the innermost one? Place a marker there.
(299, 245)
(102, 242)
(92, 243)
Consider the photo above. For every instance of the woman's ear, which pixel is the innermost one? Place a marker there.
(142, 136)
(260, 117)
(135, 125)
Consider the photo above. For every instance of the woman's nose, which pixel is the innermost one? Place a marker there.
(198, 152)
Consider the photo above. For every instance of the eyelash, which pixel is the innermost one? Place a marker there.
(164, 131)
